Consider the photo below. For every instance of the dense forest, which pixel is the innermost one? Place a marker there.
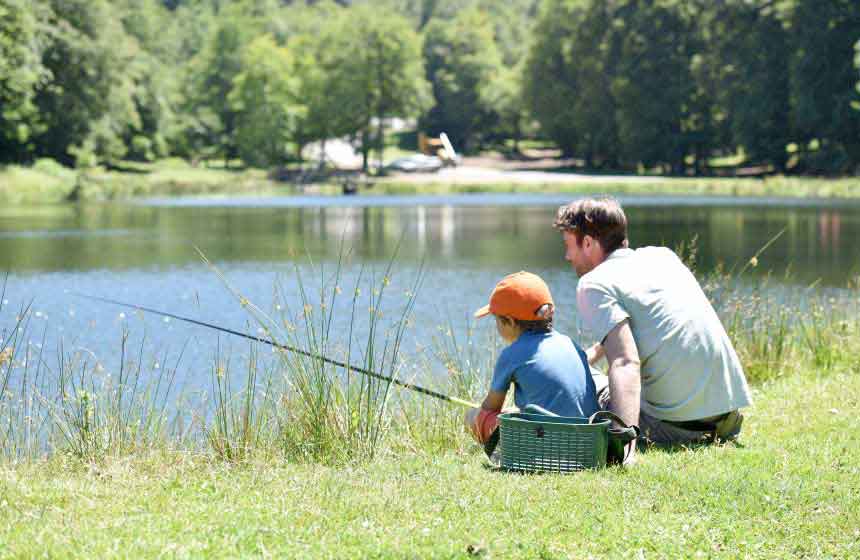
(670, 85)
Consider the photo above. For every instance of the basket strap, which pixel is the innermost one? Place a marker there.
(618, 437)
(491, 443)
(626, 432)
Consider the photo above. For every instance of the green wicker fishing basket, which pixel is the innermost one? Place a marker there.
(540, 443)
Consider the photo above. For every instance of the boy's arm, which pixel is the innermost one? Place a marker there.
(595, 353)
(494, 401)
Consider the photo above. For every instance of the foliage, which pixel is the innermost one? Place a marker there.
(375, 72)
(463, 67)
(567, 80)
(823, 80)
(265, 97)
(22, 72)
(212, 74)
(659, 85)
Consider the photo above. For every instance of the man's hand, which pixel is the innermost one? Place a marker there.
(625, 384)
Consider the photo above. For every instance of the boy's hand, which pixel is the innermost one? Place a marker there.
(595, 353)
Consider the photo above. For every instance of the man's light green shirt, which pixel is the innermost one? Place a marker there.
(690, 369)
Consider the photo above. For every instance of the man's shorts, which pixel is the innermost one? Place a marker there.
(724, 427)
(482, 423)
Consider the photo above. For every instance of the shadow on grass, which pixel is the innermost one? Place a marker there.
(642, 447)
(650, 447)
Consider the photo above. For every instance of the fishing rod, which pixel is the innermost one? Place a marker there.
(344, 365)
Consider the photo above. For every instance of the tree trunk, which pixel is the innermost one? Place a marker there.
(365, 148)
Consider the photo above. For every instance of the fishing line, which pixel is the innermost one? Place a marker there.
(344, 365)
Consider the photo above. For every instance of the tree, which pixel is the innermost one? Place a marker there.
(21, 74)
(375, 71)
(211, 119)
(823, 81)
(463, 67)
(88, 103)
(750, 50)
(507, 105)
(652, 83)
(155, 74)
(551, 77)
(857, 65)
(265, 97)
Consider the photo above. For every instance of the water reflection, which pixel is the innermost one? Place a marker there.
(817, 243)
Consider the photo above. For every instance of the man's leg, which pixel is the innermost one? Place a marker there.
(662, 433)
(656, 431)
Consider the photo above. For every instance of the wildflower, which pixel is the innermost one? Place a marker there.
(754, 261)
(386, 281)
(5, 355)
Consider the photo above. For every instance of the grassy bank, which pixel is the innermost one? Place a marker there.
(772, 186)
(791, 489)
(48, 182)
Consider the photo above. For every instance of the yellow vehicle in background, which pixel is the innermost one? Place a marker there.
(440, 147)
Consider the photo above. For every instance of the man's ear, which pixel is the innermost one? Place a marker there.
(587, 242)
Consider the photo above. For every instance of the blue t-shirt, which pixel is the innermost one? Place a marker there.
(549, 370)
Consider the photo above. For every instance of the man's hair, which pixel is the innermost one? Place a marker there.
(601, 218)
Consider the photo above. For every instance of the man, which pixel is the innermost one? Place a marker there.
(672, 369)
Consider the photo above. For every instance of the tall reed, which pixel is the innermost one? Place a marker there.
(324, 413)
(239, 425)
(94, 413)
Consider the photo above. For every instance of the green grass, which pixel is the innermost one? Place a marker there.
(791, 489)
(773, 186)
(292, 463)
(51, 183)
(47, 182)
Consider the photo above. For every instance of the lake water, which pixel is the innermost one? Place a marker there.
(145, 253)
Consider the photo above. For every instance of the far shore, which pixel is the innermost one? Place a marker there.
(41, 184)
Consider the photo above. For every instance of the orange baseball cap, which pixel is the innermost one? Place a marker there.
(520, 295)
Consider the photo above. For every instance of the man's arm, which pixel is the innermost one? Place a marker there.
(625, 383)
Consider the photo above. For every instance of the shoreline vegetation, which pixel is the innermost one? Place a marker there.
(47, 182)
(304, 460)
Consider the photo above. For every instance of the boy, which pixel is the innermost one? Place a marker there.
(546, 367)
